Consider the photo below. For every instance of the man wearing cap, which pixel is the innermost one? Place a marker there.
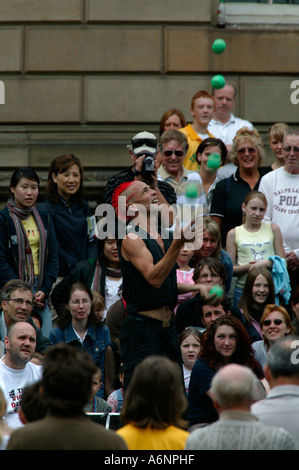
(144, 154)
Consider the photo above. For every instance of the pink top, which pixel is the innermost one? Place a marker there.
(184, 277)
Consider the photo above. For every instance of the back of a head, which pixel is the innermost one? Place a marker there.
(234, 385)
(32, 403)
(67, 379)
(283, 357)
(155, 396)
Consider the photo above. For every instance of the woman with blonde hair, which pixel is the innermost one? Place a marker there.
(275, 323)
(247, 154)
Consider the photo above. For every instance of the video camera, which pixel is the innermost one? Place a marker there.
(148, 164)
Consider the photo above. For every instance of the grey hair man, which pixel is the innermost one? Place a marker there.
(17, 305)
(233, 390)
(281, 406)
(173, 147)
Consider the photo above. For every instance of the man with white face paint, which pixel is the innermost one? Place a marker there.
(281, 188)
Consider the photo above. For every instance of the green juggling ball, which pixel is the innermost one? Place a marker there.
(219, 46)
(191, 190)
(218, 81)
(216, 291)
(214, 161)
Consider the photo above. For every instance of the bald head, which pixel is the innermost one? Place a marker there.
(20, 344)
(234, 386)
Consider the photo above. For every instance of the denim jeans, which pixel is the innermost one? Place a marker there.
(46, 313)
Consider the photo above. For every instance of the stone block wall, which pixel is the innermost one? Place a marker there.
(83, 76)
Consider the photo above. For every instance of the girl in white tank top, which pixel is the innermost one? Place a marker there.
(254, 242)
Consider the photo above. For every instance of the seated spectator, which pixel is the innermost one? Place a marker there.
(17, 301)
(248, 154)
(5, 431)
(190, 340)
(254, 243)
(97, 404)
(211, 246)
(208, 273)
(66, 387)
(258, 291)
(116, 398)
(98, 304)
(281, 406)
(79, 327)
(16, 368)
(101, 273)
(233, 390)
(32, 406)
(114, 321)
(275, 323)
(184, 274)
(153, 406)
(226, 341)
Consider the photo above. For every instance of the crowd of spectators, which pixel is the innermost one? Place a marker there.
(191, 347)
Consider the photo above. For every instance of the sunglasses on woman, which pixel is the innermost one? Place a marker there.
(250, 150)
(276, 321)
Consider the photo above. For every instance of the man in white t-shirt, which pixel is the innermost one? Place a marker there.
(16, 370)
(281, 188)
(225, 124)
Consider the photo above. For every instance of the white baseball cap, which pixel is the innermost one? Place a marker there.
(144, 142)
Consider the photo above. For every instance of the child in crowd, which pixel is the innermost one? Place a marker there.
(97, 404)
(184, 274)
(116, 398)
(254, 242)
(98, 304)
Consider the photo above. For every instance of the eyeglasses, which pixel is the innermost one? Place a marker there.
(289, 149)
(250, 150)
(78, 302)
(177, 153)
(205, 276)
(141, 142)
(21, 302)
(276, 321)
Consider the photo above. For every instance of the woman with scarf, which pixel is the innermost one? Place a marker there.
(28, 246)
